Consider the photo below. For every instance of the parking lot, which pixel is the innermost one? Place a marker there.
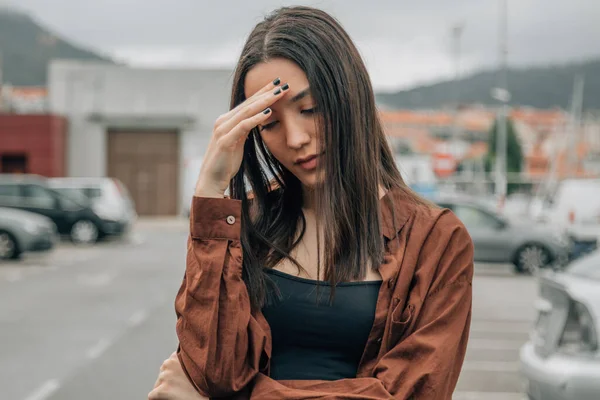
(96, 322)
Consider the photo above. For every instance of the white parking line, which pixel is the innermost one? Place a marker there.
(495, 344)
(491, 366)
(45, 391)
(99, 348)
(488, 396)
(14, 276)
(102, 279)
(501, 327)
(137, 318)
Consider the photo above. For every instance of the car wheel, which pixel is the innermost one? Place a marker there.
(9, 249)
(84, 232)
(531, 258)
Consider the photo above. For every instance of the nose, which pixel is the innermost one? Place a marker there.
(296, 136)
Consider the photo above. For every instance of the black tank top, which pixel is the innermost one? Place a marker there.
(319, 341)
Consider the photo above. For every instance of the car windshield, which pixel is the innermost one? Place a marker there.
(587, 266)
(73, 195)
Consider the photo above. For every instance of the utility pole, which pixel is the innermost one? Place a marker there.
(503, 95)
(2, 91)
(457, 31)
(574, 127)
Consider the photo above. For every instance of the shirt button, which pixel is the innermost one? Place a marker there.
(231, 220)
(379, 340)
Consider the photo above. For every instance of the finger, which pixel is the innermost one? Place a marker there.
(243, 128)
(270, 86)
(264, 101)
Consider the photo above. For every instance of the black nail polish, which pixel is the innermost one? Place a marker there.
(276, 81)
(277, 91)
(267, 110)
(285, 87)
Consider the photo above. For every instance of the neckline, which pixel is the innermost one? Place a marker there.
(323, 283)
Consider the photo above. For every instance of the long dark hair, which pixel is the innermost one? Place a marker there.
(357, 157)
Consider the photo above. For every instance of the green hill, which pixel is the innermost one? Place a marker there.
(540, 87)
(26, 47)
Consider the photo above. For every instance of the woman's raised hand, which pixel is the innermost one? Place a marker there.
(225, 151)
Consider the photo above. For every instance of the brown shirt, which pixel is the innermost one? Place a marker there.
(419, 336)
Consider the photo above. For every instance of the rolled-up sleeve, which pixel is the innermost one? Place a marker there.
(222, 346)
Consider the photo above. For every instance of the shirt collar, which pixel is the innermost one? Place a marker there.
(395, 211)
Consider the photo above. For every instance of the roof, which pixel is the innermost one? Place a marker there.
(20, 178)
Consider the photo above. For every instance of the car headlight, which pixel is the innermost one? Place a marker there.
(579, 334)
(32, 227)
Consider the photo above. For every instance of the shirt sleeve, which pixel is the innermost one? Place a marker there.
(426, 363)
(222, 345)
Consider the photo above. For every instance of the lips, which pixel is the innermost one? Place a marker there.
(306, 159)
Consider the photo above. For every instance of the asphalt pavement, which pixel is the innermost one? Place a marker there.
(96, 322)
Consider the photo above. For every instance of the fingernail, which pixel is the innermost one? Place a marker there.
(285, 87)
(276, 81)
(277, 91)
(267, 110)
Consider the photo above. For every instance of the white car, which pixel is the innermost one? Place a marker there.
(562, 359)
(574, 205)
(109, 198)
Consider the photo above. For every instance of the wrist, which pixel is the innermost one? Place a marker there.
(204, 190)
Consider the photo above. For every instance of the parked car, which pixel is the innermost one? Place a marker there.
(573, 204)
(73, 217)
(561, 361)
(23, 231)
(497, 239)
(108, 197)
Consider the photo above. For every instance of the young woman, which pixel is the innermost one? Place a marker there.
(321, 275)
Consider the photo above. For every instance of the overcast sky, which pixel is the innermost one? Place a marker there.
(403, 42)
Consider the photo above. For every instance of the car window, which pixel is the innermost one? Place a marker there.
(72, 193)
(37, 197)
(68, 203)
(586, 266)
(473, 217)
(92, 193)
(9, 194)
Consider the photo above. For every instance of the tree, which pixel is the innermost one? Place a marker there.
(514, 153)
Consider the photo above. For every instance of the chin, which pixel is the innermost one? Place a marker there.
(310, 180)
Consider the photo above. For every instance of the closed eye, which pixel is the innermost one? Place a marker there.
(268, 126)
(309, 111)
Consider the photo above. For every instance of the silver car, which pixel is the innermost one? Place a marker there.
(562, 361)
(496, 239)
(23, 231)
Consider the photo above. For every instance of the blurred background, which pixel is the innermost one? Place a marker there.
(492, 109)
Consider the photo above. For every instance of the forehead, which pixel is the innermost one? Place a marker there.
(265, 72)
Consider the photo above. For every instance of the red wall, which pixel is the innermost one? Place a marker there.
(42, 138)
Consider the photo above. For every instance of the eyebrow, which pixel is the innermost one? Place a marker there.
(300, 95)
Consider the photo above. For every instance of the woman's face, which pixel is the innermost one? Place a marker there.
(290, 133)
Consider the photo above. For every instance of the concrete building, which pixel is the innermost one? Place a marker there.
(138, 125)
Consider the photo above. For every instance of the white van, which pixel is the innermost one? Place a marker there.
(575, 202)
(575, 207)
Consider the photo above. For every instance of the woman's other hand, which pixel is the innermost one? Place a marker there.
(173, 384)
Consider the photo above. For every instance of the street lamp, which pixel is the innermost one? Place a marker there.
(502, 95)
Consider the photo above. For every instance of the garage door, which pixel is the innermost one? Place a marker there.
(148, 164)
